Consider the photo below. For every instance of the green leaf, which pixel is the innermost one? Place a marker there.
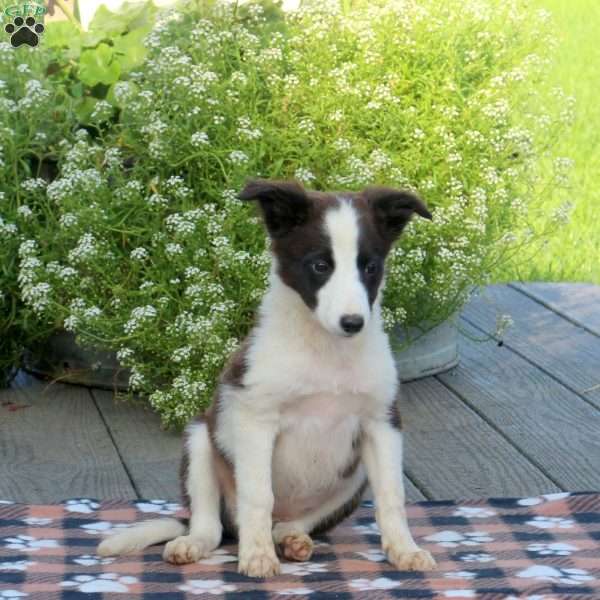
(84, 108)
(61, 34)
(129, 49)
(97, 66)
(106, 22)
(138, 14)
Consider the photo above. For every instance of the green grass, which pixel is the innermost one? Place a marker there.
(573, 254)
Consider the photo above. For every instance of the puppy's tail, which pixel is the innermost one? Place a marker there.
(138, 537)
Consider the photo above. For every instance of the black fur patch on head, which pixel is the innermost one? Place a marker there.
(284, 204)
(392, 209)
(294, 220)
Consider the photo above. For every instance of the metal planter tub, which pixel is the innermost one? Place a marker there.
(433, 352)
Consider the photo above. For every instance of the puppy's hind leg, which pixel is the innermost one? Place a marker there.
(202, 487)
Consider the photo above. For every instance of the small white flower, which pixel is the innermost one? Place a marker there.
(237, 157)
(199, 139)
(139, 253)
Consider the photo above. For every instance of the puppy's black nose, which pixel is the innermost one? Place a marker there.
(352, 323)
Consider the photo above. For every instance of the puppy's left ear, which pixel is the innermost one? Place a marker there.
(284, 204)
(393, 209)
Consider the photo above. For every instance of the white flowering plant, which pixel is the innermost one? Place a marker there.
(139, 244)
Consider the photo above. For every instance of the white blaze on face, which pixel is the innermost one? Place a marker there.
(344, 292)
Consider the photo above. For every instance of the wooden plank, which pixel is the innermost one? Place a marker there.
(565, 351)
(452, 453)
(578, 302)
(413, 494)
(150, 454)
(54, 445)
(552, 426)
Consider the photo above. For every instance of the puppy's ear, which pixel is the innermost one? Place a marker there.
(393, 209)
(284, 204)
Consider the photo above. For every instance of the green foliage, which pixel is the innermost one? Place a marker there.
(137, 242)
(87, 63)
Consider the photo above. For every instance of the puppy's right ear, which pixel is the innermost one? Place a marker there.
(284, 204)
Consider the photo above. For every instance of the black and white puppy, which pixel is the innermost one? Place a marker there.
(305, 411)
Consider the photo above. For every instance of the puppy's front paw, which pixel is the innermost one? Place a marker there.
(417, 560)
(186, 549)
(259, 562)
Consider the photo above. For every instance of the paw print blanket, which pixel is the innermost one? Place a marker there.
(540, 548)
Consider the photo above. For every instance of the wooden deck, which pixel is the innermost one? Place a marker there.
(513, 420)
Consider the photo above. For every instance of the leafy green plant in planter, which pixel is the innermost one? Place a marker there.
(148, 252)
(89, 63)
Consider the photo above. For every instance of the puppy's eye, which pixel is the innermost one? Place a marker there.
(320, 267)
(371, 268)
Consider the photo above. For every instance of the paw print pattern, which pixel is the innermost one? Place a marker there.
(28, 543)
(207, 586)
(81, 505)
(161, 507)
(534, 500)
(16, 565)
(373, 554)
(102, 527)
(482, 557)
(452, 539)
(107, 582)
(550, 523)
(381, 583)
(24, 31)
(473, 512)
(554, 575)
(89, 560)
(36, 521)
(554, 549)
(303, 568)
(460, 575)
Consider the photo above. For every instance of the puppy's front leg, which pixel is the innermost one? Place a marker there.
(382, 455)
(255, 437)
